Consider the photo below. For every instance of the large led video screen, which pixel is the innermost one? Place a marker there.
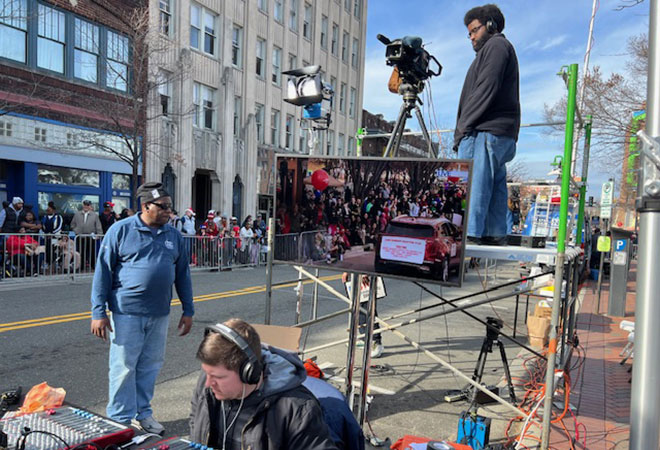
(401, 218)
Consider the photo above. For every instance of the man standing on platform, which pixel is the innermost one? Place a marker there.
(140, 259)
(488, 123)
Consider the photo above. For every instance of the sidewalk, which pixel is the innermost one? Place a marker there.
(600, 393)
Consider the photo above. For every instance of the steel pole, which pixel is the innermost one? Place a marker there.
(583, 187)
(269, 268)
(561, 254)
(645, 396)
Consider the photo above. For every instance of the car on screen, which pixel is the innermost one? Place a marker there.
(429, 246)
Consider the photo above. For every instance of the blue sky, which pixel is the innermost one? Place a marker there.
(546, 34)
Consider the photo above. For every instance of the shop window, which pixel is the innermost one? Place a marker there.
(67, 176)
(121, 182)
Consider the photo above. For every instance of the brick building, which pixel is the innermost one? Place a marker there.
(66, 102)
(411, 146)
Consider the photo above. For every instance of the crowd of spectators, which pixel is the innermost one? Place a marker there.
(30, 246)
(338, 218)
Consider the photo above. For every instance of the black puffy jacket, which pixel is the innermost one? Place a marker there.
(287, 417)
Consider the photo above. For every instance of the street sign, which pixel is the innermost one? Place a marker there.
(606, 196)
(620, 245)
(604, 244)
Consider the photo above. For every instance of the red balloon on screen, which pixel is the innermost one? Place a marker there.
(320, 179)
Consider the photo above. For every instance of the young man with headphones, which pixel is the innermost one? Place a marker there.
(250, 396)
(488, 122)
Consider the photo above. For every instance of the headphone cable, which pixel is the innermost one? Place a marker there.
(224, 418)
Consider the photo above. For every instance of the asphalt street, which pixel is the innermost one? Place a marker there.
(45, 336)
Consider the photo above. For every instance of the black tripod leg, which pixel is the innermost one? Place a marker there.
(507, 373)
(400, 123)
(425, 132)
(479, 372)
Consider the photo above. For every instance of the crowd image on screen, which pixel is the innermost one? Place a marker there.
(351, 212)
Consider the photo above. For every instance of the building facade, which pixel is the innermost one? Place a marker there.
(65, 82)
(218, 116)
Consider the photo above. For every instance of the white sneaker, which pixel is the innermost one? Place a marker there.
(377, 350)
(150, 425)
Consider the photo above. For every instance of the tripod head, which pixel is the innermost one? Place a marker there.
(493, 328)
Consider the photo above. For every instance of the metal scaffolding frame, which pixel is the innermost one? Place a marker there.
(566, 270)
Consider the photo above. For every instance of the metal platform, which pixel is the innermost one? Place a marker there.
(524, 254)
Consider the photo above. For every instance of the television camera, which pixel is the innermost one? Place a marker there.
(408, 55)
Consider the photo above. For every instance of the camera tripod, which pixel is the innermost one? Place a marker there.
(410, 95)
(492, 337)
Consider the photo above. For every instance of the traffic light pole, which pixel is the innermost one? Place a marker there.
(645, 399)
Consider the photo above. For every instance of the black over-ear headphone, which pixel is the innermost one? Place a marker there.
(491, 26)
(250, 370)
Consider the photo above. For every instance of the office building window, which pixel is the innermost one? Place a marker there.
(288, 132)
(344, 47)
(324, 32)
(202, 29)
(357, 8)
(50, 39)
(302, 139)
(117, 65)
(334, 43)
(354, 53)
(277, 65)
(203, 106)
(293, 15)
(351, 104)
(261, 58)
(351, 146)
(5, 129)
(262, 5)
(340, 144)
(86, 50)
(293, 60)
(333, 84)
(165, 17)
(342, 98)
(165, 92)
(347, 5)
(278, 11)
(237, 46)
(238, 109)
(307, 21)
(275, 128)
(13, 30)
(259, 112)
(331, 141)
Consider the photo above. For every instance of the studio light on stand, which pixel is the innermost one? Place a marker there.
(306, 88)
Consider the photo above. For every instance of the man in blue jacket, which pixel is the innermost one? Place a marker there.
(488, 122)
(140, 259)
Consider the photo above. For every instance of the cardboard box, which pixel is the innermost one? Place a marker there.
(538, 330)
(287, 338)
(543, 311)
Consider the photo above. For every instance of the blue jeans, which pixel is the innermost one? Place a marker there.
(488, 195)
(137, 352)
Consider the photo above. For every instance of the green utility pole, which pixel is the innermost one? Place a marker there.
(561, 253)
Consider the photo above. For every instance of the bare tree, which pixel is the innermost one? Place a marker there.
(611, 101)
(143, 100)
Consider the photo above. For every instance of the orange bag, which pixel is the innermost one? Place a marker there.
(313, 370)
(42, 397)
(395, 81)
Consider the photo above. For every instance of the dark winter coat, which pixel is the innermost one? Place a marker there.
(287, 415)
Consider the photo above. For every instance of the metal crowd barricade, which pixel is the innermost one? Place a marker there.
(46, 257)
(215, 253)
(287, 246)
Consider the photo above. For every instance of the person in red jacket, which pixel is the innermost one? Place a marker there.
(22, 250)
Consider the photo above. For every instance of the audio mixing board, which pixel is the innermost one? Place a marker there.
(73, 426)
